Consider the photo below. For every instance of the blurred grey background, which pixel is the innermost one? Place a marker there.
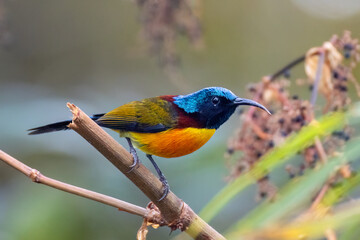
(91, 53)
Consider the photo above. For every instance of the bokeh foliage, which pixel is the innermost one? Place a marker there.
(95, 48)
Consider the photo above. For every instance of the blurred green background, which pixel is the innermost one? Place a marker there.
(90, 53)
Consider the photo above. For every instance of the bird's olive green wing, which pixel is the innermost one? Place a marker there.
(147, 116)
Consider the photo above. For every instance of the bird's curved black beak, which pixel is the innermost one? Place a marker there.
(244, 101)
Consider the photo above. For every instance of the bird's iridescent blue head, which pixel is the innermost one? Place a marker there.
(212, 106)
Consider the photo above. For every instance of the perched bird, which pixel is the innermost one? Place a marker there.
(167, 126)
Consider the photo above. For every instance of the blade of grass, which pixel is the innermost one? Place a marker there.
(273, 159)
(337, 192)
(351, 231)
(296, 193)
(346, 215)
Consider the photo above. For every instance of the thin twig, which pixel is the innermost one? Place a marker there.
(356, 84)
(287, 67)
(329, 233)
(319, 197)
(318, 77)
(319, 146)
(37, 177)
(320, 149)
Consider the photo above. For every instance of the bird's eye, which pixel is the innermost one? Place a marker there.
(215, 101)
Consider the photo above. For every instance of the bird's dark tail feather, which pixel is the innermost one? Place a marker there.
(58, 126)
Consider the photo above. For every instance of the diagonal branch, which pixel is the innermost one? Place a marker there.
(175, 212)
(148, 183)
(171, 211)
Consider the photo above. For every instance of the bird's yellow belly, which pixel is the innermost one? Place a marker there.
(171, 143)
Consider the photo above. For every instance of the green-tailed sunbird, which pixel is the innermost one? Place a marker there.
(167, 126)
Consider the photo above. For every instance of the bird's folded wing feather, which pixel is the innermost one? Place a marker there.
(147, 116)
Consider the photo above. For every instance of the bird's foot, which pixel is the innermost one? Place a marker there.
(166, 187)
(162, 178)
(136, 162)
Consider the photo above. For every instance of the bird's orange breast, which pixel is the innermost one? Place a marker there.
(171, 143)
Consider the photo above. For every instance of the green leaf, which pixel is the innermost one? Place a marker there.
(351, 231)
(337, 192)
(346, 215)
(273, 159)
(298, 192)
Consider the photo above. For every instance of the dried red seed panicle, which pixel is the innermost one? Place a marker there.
(342, 54)
(338, 99)
(163, 20)
(266, 189)
(259, 133)
(341, 75)
(310, 157)
(337, 96)
(348, 46)
(337, 139)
